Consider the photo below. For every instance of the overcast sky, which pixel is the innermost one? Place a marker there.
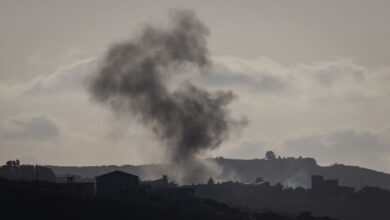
(311, 77)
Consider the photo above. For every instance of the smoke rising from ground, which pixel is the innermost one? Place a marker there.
(133, 77)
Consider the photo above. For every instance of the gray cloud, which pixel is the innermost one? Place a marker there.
(348, 146)
(66, 78)
(351, 96)
(248, 150)
(224, 77)
(37, 128)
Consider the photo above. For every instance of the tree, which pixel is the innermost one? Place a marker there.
(270, 155)
(12, 168)
(210, 182)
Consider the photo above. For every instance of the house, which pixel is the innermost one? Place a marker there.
(160, 183)
(117, 183)
(169, 190)
(319, 183)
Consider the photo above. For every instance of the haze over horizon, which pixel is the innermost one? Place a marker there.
(311, 77)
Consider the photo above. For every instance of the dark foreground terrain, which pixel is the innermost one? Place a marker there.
(35, 191)
(336, 202)
(43, 200)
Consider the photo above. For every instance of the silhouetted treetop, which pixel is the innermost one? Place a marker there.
(270, 155)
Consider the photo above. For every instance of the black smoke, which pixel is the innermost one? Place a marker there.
(134, 75)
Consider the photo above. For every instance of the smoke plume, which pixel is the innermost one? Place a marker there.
(133, 77)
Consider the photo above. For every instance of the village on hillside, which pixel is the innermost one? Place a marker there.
(341, 202)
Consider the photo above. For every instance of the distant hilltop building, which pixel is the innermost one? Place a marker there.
(123, 184)
(319, 183)
(160, 183)
(169, 190)
(117, 183)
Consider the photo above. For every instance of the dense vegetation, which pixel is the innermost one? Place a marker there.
(43, 200)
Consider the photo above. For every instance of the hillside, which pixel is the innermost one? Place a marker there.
(291, 172)
(297, 172)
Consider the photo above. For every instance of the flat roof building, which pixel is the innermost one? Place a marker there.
(319, 183)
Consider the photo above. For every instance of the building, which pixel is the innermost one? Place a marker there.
(319, 183)
(160, 183)
(117, 183)
(164, 189)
